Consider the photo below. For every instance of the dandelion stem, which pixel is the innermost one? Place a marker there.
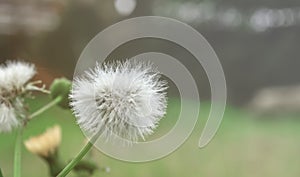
(46, 107)
(18, 149)
(76, 160)
(1, 173)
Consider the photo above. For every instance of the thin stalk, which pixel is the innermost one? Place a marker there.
(1, 173)
(76, 160)
(17, 154)
(46, 107)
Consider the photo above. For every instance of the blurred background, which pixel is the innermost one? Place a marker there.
(257, 42)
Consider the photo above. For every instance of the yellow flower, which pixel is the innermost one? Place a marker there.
(45, 144)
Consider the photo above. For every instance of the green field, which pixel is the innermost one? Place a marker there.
(243, 147)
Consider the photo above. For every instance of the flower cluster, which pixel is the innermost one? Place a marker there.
(121, 99)
(118, 100)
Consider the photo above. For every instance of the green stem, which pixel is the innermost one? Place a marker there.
(18, 149)
(1, 175)
(76, 160)
(46, 107)
(54, 162)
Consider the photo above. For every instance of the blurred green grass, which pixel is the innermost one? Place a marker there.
(244, 147)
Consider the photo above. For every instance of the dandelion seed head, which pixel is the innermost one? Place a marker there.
(14, 77)
(126, 99)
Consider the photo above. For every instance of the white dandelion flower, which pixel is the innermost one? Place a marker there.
(8, 119)
(14, 78)
(15, 75)
(126, 99)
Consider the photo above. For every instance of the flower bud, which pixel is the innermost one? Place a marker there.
(45, 144)
(61, 88)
